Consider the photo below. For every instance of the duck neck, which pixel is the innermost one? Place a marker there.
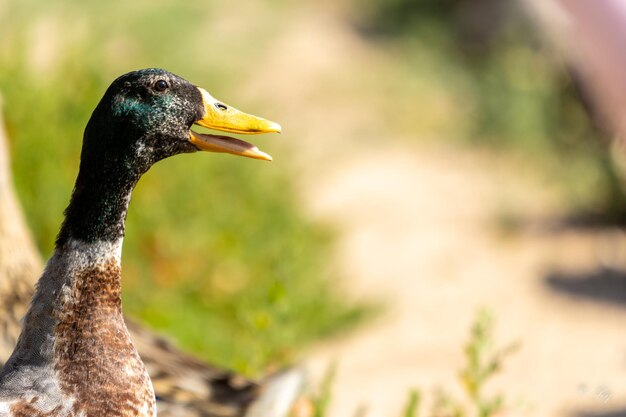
(74, 328)
(85, 270)
(80, 288)
(97, 209)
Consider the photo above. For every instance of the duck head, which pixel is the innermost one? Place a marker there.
(143, 117)
(148, 115)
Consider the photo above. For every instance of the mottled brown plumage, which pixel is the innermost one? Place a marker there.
(93, 344)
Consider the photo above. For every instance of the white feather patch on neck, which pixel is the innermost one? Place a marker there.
(85, 254)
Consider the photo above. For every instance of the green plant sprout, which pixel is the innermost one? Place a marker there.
(483, 362)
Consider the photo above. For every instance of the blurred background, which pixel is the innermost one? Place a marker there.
(445, 185)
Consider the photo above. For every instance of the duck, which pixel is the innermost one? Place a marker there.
(75, 355)
(184, 385)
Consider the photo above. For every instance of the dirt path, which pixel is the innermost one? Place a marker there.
(417, 231)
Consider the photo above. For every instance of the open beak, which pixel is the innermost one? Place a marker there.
(220, 116)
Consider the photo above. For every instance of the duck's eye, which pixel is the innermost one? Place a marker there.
(221, 106)
(161, 85)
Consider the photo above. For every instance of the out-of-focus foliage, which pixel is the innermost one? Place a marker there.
(413, 404)
(519, 96)
(217, 251)
(321, 400)
(483, 362)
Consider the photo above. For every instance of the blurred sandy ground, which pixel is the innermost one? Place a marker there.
(417, 231)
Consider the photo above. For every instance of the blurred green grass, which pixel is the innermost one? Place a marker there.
(218, 252)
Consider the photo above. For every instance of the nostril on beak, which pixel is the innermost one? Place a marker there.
(221, 106)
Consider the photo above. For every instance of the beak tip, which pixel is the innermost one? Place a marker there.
(275, 127)
(265, 157)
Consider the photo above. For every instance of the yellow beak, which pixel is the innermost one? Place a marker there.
(220, 116)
